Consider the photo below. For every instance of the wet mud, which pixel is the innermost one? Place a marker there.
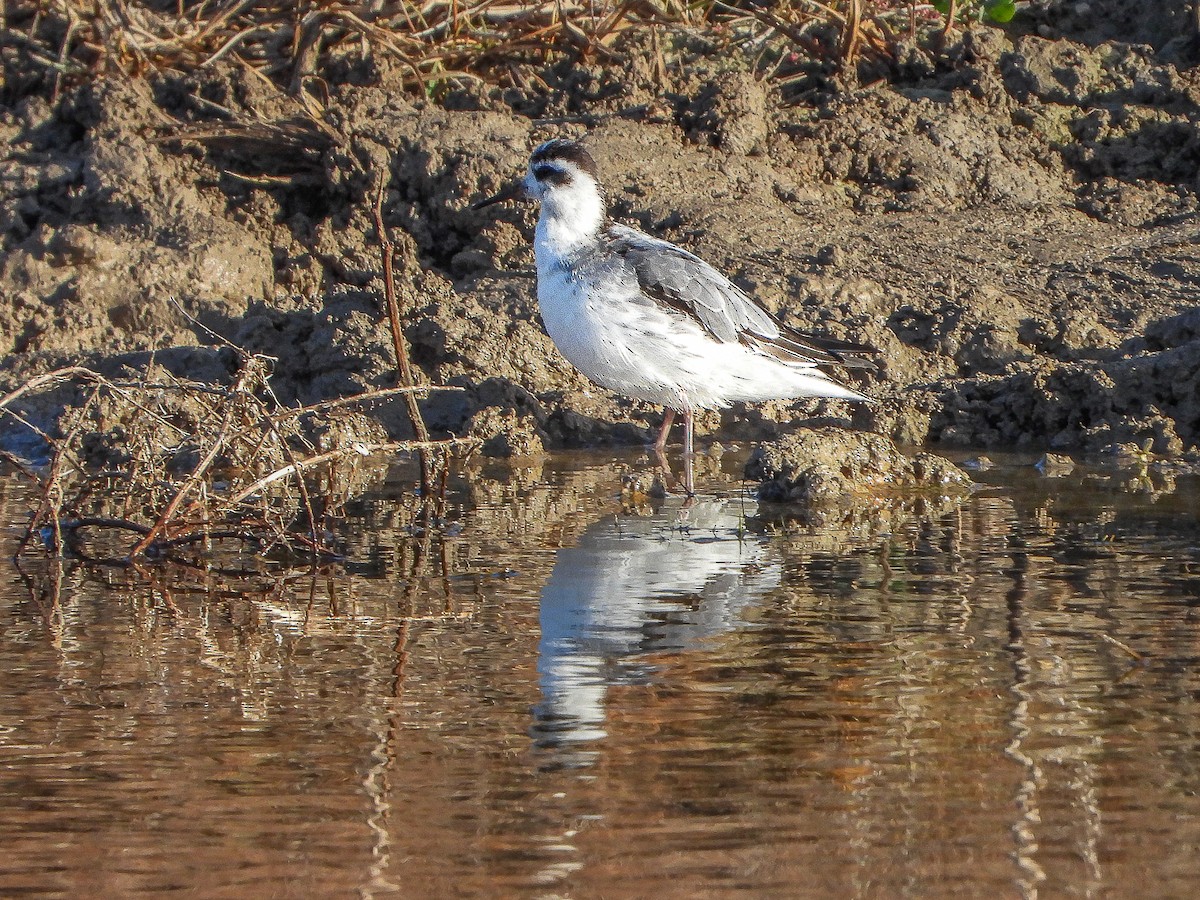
(1011, 221)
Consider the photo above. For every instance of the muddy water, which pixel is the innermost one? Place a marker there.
(555, 697)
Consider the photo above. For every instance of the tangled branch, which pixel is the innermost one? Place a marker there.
(144, 469)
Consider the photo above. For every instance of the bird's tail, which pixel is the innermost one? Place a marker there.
(842, 353)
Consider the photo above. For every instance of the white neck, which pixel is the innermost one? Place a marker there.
(570, 221)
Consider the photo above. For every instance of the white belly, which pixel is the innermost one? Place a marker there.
(606, 346)
(654, 354)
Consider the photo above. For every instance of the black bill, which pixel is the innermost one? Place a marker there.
(514, 191)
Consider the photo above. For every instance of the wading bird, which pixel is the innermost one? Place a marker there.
(645, 318)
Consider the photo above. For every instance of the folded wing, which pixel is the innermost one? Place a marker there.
(691, 286)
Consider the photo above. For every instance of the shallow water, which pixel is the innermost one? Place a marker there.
(558, 697)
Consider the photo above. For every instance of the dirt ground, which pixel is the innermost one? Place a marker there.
(1012, 222)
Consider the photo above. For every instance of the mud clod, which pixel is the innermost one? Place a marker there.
(830, 465)
(1055, 465)
(504, 433)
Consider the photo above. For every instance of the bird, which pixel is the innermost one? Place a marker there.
(645, 318)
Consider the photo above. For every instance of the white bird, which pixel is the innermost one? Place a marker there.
(645, 318)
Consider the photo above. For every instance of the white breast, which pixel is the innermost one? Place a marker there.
(596, 316)
(585, 328)
(626, 346)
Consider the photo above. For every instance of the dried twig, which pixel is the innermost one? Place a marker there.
(299, 466)
(403, 367)
(247, 484)
(1122, 646)
(503, 42)
(194, 477)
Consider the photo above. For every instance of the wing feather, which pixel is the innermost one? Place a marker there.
(691, 286)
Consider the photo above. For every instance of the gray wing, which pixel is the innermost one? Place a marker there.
(691, 286)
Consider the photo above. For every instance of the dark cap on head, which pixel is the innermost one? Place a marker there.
(547, 169)
(568, 151)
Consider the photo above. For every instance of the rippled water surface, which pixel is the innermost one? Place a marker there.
(556, 696)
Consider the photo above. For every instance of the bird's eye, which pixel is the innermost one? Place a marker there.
(551, 174)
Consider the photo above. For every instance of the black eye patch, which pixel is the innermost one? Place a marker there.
(552, 175)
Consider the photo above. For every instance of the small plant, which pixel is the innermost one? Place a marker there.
(999, 11)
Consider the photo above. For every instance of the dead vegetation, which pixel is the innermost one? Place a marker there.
(160, 468)
(434, 43)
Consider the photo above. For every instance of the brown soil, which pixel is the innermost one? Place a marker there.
(831, 465)
(1012, 221)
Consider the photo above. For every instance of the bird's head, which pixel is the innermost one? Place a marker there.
(561, 174)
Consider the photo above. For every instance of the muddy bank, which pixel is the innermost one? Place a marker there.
(1011, 220)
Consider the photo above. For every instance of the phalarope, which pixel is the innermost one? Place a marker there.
(645, 318)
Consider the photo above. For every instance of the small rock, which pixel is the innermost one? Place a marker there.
(504, 433)
(978, 464)
(1055, 465)
(826, 465)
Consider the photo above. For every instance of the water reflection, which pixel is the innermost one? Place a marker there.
(890, 702)
(634, 585)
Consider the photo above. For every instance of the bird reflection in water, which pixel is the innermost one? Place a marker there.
(633, 586)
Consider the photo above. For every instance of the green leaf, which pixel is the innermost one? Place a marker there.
(1001, 11)
(942, 6)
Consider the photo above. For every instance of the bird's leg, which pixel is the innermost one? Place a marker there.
(658, 445)
(668, 418)
(688, 482)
